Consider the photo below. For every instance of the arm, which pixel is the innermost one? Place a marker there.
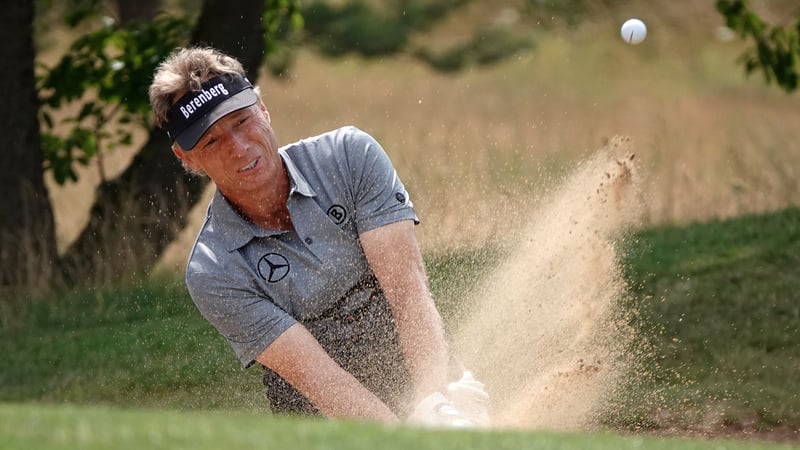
(297, 357)
(394, 256)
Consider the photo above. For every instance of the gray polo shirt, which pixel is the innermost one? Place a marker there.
(252, 283)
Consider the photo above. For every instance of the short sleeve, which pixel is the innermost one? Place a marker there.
(248, 320)
(379, 194)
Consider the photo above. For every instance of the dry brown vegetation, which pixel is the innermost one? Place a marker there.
(474, 148)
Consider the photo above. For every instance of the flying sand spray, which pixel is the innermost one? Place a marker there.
(542, 334)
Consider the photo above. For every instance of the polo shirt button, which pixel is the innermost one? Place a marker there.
(309, 241)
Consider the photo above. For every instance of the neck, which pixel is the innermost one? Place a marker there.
(266, 207)
(273, 219)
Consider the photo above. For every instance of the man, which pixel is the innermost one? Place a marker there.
(307, 261)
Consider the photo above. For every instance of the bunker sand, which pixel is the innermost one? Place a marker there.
(544, 333)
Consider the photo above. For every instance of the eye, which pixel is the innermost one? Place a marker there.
(209, 142)
(242, 120)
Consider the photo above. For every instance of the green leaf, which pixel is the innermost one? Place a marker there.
(105, 75)
(776, 49)
(87, 110)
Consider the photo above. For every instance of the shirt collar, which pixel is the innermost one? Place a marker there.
(236, 231)
(297, 180)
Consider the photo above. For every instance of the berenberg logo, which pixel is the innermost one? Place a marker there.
(194, 104)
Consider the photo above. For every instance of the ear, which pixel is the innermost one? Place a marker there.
(182, 155)
(263, 107)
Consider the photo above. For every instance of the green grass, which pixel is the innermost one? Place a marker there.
(143, 344)
(719, 306)
(716, 306)
(32, 427)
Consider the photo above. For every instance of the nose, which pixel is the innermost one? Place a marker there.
(237, 144)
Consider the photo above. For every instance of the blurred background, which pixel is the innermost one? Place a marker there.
(484, 105)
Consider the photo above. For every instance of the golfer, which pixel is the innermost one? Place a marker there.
(307, 261)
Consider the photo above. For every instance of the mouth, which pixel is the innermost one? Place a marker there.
(250, 166)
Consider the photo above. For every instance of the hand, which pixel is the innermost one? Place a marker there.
(470, 398)
(436, 410)
(465, 406)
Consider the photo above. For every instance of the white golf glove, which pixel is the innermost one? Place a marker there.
(438, 411)
(470, 398)
(465, 406)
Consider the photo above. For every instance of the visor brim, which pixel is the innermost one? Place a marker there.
(189, 137)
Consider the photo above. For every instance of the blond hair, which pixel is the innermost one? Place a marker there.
(184, 70)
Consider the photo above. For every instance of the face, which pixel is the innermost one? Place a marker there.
(239, 153)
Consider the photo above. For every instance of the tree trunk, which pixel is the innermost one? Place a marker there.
(137, 215)
(139, 10)
(234, 27)
(27, 233)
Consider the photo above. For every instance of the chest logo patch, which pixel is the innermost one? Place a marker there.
(273, 267)
(338, 214)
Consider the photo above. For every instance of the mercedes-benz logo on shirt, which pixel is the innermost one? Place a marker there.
(273, 267)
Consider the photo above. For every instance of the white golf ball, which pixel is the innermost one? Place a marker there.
(633, 31)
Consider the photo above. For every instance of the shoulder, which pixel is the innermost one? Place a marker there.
(207, 255)
(331, 143)
(213, 272)
(345, 152)
(345, 134)
(210, 257)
